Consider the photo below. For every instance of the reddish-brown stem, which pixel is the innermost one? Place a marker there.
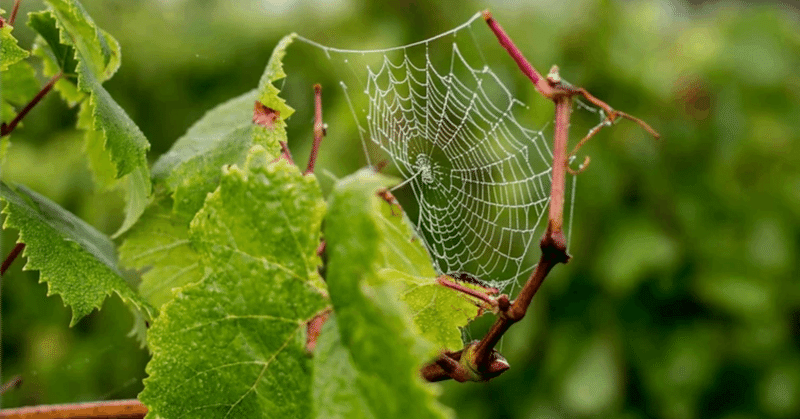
(14, 11)
(285, 153)
(117, 409)
(558, 183)
(434, 371)
(319, 129)
(588, 137)
(505, 41)
(6, 129)
(613, 114)
(12, 383)
(584, 165)
(554, 251)
(442, 280)
(11, 257)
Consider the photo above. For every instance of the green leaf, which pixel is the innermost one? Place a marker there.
(258, 234)
(439, 312)
(18, 86)
(56, 57)
(336, 393)
(190, 169)
(158, 246)
(10, 51)
(111, 134)
(376, 327)
(97, 52)
(17, 79)
(78, 262)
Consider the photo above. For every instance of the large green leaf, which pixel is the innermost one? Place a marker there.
(376, 326)
(258, 234)
(190, 169)
(77, 262)
(158, 246)
(115, 145)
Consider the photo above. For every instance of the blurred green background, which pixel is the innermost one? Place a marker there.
(682, 299)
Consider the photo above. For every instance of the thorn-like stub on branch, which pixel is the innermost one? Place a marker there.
(503, 304)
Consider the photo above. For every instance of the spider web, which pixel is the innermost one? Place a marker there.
(480, 178)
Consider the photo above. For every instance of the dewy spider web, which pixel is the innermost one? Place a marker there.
(480, 178)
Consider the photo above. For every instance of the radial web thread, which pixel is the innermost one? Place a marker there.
(481, 179)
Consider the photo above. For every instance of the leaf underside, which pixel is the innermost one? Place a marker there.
(78, 262)
(71, 43)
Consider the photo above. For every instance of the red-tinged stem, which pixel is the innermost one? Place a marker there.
(613, 114)
(12, 383)
(11, 257)
(442, 280)
(286, 154)
(505, 41)
(558, 185)
(319, 129)
(14, 11)
(6, 129)
(117, 409)
(553, 244)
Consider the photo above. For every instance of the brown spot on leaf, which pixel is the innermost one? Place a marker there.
(314, 328)
(265, 116)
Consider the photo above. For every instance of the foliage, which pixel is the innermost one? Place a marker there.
(681, 299)
(77, 261)
(228, 264)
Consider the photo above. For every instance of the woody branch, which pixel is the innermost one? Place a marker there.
(482, 359)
